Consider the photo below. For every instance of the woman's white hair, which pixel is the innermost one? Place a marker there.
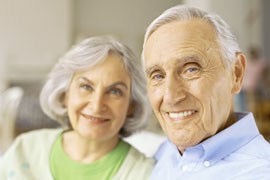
(83, 56)
(226, 40)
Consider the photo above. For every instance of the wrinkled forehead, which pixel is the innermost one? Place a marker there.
(182, 38)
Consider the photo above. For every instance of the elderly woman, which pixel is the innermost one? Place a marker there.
(96, 91)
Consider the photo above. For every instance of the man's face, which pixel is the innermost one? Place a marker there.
(188, 84)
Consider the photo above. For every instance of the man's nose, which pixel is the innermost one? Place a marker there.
(174, 90)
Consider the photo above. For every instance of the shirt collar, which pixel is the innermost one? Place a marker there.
(168, 150)
(216, 147)
(230, 139)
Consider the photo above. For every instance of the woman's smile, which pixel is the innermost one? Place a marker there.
(94, 119)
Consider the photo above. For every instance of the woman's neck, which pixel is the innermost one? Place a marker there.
(84, 150)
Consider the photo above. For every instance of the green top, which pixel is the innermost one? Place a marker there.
(22, 161)
(64, 168)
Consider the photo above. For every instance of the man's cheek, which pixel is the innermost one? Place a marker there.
(153, 93)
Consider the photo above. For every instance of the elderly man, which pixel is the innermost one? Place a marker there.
(194, 67)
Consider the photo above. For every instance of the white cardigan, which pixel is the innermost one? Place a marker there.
(28, 159)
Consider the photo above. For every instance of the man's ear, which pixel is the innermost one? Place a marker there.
(238, 72)
(131, 108)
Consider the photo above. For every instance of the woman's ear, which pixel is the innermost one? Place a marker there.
(131, 108)
(64, 99)
(238, 72)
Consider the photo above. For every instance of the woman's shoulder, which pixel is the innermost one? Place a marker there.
(35, 138)
(28, 149)
(135, 166)
(48, 134)
(135, 155)
(31, 143)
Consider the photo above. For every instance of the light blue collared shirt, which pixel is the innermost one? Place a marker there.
(238, 152)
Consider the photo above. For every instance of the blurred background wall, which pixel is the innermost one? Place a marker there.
(35, 33)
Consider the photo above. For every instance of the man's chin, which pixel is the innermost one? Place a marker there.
(182, 142)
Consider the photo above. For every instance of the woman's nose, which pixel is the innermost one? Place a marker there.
(97, 102)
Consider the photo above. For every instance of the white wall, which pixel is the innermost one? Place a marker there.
(266, 30)
(243, 16)
(3, 79)
(33, 34)
(125, 20)
(245, 19)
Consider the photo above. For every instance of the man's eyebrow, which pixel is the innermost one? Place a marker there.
(188, 59)
(151, 69)
(181, 60)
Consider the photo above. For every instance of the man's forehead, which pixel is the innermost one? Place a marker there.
(157, 64)
(193, 26)
(191, 37)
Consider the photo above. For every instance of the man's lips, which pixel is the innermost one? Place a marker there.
(182, 114)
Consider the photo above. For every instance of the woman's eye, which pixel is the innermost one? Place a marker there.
(116, 92)
(86, 87)
(158, 76)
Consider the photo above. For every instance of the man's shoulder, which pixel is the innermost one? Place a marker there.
(164, 149)
(257, 148)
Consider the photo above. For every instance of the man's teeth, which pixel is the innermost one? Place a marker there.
(181, 114)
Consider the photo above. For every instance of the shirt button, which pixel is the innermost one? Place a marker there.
(206, 163)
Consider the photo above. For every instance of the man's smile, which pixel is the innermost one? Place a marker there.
(181, 115)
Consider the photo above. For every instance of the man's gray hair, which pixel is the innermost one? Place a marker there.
(226, 40)
(85, 55)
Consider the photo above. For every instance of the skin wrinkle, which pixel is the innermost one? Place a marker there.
(203, 90)
(183, 62)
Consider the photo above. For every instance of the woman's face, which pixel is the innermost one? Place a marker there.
(98, 100)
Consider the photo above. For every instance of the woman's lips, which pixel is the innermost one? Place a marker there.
(94, 119)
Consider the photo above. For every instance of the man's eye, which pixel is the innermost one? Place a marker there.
(191, 72)
(193, 69)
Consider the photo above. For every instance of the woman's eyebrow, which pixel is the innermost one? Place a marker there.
(112, 85)
(82, 78)
(119, 84)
